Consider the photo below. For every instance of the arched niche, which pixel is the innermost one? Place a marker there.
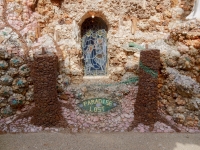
(89, 14)
(94, 46)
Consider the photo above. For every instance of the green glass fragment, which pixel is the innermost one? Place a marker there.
(136, 46)
(20, 83)
(148, 70)
(4, 33)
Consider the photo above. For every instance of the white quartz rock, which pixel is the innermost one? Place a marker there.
(195, 14)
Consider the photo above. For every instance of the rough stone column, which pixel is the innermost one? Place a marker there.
(146, 101)
(47, 110)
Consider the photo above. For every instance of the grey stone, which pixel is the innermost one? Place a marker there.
(170, 111)
(3, 100)
(180, 109)
(165, 48)
(130, 63)
(7, 110)
(16, 100)
(29, 95)
(197, 101)
(19, 85)
(24, 70)
(128, 75)
(78, 94)
(20, 82)
(3, 65)
(5, 91)
(193, 105)
(16, 61)
(125, 90)
(184, 91)
(3, 53)
(179, 118)
(2, 72)
(171, 62)
(186, 86)
(29, 80)
(6, 80)
(118, 94)
(84, 89)
(12, 72)
(184, 62)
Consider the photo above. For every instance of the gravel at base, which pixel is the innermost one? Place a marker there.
(94, 141)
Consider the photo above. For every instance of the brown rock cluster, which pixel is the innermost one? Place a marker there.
(188, 34)
(180, 100)
(47, 111)
(146, 102)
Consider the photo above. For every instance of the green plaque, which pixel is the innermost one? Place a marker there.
(97, 105)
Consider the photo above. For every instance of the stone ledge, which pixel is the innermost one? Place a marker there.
(95, 77)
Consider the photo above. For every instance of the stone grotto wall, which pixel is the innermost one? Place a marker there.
(179, 81)
(101, 103)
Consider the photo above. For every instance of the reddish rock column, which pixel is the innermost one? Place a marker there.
(146, 102)
(44, 73)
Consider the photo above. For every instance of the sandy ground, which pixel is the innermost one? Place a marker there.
(95, 141)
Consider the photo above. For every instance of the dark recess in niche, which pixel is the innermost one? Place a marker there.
(57, 2)
(95, 23)
(35, 5)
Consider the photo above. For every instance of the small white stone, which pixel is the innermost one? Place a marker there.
(127, 116)
(8, 122)
(32, 130)
(18, 112)
(56, 130)
(137, 55)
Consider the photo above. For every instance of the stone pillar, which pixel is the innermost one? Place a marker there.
(146, 102)
(47, 111)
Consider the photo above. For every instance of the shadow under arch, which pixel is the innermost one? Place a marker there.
(94, 24)
(89, 14)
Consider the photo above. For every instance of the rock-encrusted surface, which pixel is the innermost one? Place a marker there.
(146, 109)
(56, 26)
(47, 111)
(13, 86)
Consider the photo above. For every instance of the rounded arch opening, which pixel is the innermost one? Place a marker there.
(98, 14)
(95, 23)
(94, 46)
